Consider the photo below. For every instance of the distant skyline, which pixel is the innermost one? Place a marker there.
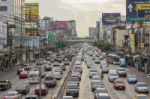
(84, 12)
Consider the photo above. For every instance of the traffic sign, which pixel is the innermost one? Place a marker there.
(132, 13)
(143, 6)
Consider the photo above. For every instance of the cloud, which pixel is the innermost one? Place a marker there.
(92, 5)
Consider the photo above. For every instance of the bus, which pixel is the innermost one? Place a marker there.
(113, 59)
(34, 77)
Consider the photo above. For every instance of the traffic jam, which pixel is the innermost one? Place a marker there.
(105, 74)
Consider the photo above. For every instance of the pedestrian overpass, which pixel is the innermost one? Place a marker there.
(82, 40)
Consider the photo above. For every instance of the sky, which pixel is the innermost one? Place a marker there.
(84, 12)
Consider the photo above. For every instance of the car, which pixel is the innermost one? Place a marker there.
(132, 79)
(103, 64)
(97, 61)
(47, 67)
(72, 90)
(42, 69)
(141, 96)
(57, 75)
(56, 63)
(63, 67)
(19, 70)
(23, 74)
(31, 97)
(67, 97)
(43, 90)
(66, 62)
(103, 96)
(99, 90)
(79, 68)
(101, 57)
(119, 84)
(5, 84)
(12, 95)
(95, 77)
(112, 75)
(76, 74)
(141, 87)
(122, 72)
(105, 69)
(50, 81)
(58, 70)
(23, 88)
(74, 80)
(26, 66)
(92, 72)
(95, 84)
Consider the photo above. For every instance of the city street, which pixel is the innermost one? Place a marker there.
(14, 78)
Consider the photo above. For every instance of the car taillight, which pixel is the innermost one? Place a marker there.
(4, 97)
(15, 97)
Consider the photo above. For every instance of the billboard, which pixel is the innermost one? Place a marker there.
(31, 11)
(3, 35)
(111, 18)
(132, 42)
(60, 25)
(137, 10)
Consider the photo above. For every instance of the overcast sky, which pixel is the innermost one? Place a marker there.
(85, 12)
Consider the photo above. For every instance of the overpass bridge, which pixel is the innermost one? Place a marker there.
(82, 40)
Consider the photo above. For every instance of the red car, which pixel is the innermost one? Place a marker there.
(44, 90)
(119, 84)
(23, 74)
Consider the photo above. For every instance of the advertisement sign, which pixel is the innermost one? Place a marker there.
(3, 35)
(60, 25)
(111, 18)
(132, 42)
(51, 39)
(31, 11)
(137, 10)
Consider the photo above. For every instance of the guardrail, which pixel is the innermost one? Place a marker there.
(61, 91)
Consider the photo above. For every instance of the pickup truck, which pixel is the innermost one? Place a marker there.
(5, 84)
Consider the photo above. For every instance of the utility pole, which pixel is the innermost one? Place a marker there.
(21, 43)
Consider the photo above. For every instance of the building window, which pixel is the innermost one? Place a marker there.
(3, 8)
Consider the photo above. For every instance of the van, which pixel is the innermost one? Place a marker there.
(34, 77)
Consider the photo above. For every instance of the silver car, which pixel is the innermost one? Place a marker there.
(12, 95)
(141, 87)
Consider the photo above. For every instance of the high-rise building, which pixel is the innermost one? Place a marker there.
(13, 13)
(92, 32)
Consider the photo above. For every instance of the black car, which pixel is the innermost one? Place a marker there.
(23, 88)
(47, 67)
(72, 90)
(5, 84)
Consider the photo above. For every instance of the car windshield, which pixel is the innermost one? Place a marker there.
(103, 97)
(73, 79)
(49, 78)
(142, 85)
(132, 76)
(30, 98)
(114, 74)
(72, 87)
(2, 81)
(93, 70)
(11, 94)
(33, 75)
(95, 78)
(96, 83)
(20, 87)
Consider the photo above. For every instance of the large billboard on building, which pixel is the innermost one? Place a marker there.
(60, 25)
(31, 11)
(111, 18)
(132, 42)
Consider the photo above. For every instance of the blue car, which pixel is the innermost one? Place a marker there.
(132, 79)
(122, 62)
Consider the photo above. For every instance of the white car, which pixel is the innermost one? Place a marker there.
(12, 95)
(55, 64)
(57, 75)
(112, 75)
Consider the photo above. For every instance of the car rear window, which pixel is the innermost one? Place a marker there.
(49, 78)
